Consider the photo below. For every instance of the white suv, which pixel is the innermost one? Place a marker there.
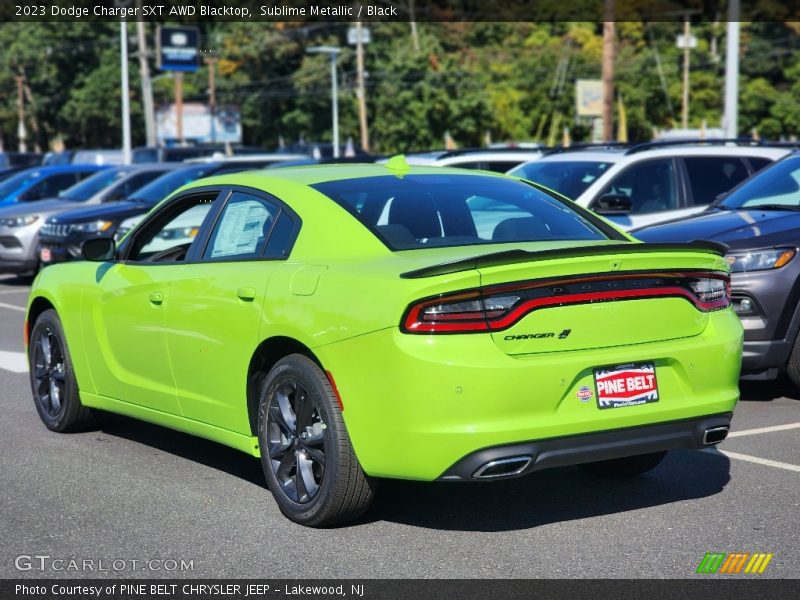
(648, 183)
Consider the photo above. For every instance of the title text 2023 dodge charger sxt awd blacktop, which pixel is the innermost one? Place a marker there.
(348, 324)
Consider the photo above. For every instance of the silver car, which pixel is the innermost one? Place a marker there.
(20, 223)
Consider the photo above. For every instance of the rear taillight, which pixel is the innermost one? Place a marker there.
(499, 307)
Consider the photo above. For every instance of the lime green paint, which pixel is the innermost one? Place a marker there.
(414, 404)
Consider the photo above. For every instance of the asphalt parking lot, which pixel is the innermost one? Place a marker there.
(134, 492)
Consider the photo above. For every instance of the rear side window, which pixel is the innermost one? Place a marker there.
(758, 163)
(242, 229)
(131, 184)
(419, 211)
(710, 176)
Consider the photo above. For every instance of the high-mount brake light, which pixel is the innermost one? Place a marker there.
(498, 307)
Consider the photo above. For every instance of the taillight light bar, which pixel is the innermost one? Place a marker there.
(499, 307)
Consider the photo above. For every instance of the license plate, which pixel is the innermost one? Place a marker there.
(45, 255)
(626, 385)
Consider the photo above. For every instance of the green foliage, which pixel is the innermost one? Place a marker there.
(514, 81)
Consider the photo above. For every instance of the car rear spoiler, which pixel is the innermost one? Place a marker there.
(508, 257)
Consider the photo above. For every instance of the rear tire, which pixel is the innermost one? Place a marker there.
(629, 466)
(55, 390)
(793, 365)
(306, 454)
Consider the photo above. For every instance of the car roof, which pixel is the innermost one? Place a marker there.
(314, 174)
(620, 154)
(53, 169)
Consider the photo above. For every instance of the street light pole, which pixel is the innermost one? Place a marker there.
(126, 108)
(333, 52)
(731, 116)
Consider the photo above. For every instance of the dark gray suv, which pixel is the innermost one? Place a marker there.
(760, 222)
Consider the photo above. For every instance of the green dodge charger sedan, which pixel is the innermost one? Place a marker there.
(352, 323)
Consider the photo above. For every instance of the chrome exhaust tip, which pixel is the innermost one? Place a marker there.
(504, 467)
(714, 435)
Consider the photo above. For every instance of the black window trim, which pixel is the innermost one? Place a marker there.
(227, 192)
(196, 250)
(143, 228)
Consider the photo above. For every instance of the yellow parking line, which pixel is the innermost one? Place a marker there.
(733, 434)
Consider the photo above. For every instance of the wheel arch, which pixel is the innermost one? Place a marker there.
(266, 355)
(37, 306)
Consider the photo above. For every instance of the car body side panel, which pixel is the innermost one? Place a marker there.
(127, 351)
(212, 335)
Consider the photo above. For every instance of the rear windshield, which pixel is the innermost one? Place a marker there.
(565, 177)
(422, 211)
(87, 188)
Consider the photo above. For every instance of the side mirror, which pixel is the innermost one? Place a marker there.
(613, 204)
(99, 249)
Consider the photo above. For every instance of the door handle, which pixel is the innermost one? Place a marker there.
(156, 298)
(247, 294)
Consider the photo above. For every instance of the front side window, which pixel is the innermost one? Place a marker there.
(169, 236)
(650, 187)
(419, 211)
(242, 229)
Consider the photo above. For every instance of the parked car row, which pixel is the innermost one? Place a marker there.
(719, 190)
(76, 202)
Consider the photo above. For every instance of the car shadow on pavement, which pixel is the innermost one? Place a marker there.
(13, 281)
(550, 496)
(766, 391)
(190, 447)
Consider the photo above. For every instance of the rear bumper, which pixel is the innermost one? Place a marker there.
(416, 405)
(687, 434)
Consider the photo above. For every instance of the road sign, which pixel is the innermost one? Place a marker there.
(589, 97)
(178, 48)
(684, 42)
(352, 35)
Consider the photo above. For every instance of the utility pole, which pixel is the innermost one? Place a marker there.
(333, 52)
(608, 71)
(179, 107)
(212, 96)
(34, 120)
(685, 100)
(362, 100)
(147, 86)
(413, 23)
(22, 133)
(126, 99)
(731, 117)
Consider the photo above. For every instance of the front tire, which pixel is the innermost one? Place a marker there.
(629, 466)
(793, 365)
(306, 454)
(55, 390)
